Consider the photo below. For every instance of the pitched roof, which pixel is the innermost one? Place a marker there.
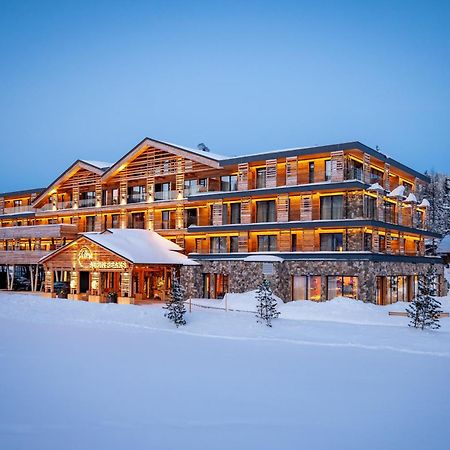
(136, 246)
(444, 246)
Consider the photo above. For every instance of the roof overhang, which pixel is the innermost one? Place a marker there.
(147, 143)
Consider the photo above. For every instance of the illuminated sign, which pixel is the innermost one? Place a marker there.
(85, 256)
(108, 265)
(86, 260)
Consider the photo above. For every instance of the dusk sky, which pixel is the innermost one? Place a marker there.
(91, 79)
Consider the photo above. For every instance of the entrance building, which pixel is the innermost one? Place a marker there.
(132, 264)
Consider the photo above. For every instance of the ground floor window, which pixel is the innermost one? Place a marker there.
(342, 286)
(306, 287)
(215, 285)
(396, 288)
(267, 243)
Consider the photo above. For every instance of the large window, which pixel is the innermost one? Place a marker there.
(235, 213)
(190, 216)
(87, 199)
(311, 172)
(342, 286)
(331, 242)
(331, 207)
(90, 223)
(137, 220)
(261, 177)
(265, 211)
(162, 191)
(228, 183)
(168, 220)
(370, 206)
(306, 287)
(218, 244)
(328, 170)
(234, 244)
(115, 221)
(267, 243)
(136, 194)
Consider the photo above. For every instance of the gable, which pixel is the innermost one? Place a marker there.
(80, 173)
(83, 254)
(153, 158)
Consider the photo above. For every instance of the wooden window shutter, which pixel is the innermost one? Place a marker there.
(271, 173)
(283, 208)
(306, 207)
(366, 168)
(217, 214)
(243, 177)
(291, 171)
(246, 210)
(337, 166)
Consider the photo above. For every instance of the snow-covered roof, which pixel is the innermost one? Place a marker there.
(263, 258)
(98, 164)
(137, 246)
(141, 246)
(444, 245)
(397, 192)
(411, 198)
(424, 204)
(197, 151)
(376, 187)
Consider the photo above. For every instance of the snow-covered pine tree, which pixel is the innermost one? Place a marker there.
(438, 194)
(266, 306)
(175, 303)
(425, 308)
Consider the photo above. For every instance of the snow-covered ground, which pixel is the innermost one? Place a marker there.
(339, 374)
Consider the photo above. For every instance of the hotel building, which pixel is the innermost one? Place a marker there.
(319, 222)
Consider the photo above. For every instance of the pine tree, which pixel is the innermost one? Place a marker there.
(266, 307)
(425, 309)
(175, 303)
(438, 194)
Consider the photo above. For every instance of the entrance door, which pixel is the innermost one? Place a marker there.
(84, 282)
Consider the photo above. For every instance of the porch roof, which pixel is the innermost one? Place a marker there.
(137, 247)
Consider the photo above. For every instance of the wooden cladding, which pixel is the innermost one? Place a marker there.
(243, 242)
(337, 166)
(284, 243)
(243, 177)
(308, 242)
(306, 207)
(271, 173)
(291, 171)
(375, 241)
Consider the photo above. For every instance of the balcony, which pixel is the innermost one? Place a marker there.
(86, 203)
(21, 256)
(166, 195)
(39, 231)
(355, 173)
(64, 205)
(18, 209)
(137, 198)
(193, 190)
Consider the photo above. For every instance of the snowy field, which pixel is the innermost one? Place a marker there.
(334, 375)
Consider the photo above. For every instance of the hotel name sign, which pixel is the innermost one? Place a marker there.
(86, 260)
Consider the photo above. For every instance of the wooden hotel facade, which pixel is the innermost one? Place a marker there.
(319, 222)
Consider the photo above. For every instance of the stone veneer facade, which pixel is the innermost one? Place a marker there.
(245, 276)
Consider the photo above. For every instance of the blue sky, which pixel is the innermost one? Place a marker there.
(91, 79)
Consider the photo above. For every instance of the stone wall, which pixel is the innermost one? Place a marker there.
(246, 276)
